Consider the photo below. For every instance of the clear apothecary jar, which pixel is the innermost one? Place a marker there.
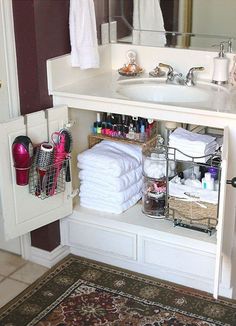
(156, 171)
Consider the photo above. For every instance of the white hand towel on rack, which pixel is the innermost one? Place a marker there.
(147, 22)
(83, 34)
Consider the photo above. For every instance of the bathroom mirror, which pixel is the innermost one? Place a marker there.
(197, 24)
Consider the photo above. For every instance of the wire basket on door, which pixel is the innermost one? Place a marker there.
(48, 182)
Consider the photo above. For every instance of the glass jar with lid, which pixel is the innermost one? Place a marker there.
(155, 181)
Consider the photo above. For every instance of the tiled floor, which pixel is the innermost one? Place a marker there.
(15, 275)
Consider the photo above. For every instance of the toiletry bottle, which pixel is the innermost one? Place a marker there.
(214, 172)
(221, 68)
(208, 182)
(95, 128)
(131, 134)
(196, 171)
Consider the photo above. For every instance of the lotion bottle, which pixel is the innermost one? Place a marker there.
(221, 68)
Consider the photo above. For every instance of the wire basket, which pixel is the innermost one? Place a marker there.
(190, 214)
(49, 181)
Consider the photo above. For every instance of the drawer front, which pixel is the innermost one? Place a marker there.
(178, 258)
(103, 239)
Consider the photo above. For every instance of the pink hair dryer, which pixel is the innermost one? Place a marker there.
(22, 153)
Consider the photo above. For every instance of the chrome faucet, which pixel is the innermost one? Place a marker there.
(177, 78)
(190, 75)
(172, 76)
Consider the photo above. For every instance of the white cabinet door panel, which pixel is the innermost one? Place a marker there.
(103, 240)
(179, 258)
(22, 212)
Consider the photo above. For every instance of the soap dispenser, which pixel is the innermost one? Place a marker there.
(221, 68)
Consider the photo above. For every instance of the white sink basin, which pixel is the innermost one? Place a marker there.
(201, 95)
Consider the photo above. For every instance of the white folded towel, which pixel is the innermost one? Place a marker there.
(111, 158)
(179, 191)
(83, 34)
(107, 206)
(188, 154)
(192, 144)
(183, 137)
(196, 150)
(109, 182)
(91, 190)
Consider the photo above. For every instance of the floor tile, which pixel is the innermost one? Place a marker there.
(9, 263)
(9, 289)
(29, 273)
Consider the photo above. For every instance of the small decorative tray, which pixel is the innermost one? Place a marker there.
(124, 71)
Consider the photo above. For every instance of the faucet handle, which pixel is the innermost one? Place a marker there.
(190, 76)
(164, 65)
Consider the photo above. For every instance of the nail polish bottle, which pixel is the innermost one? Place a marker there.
(131, 133)
(95, 128)
(99, 128)
(125, 131)
(119, 131)
(103, 128)
(137, 131)
(109, 133)
(98, 117)
(142, 133)
(114, 131)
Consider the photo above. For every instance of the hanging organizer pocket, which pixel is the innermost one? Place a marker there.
(45, 167)
(51, 168)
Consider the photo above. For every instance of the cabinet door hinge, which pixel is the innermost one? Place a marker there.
(70, 124)
(74, 193)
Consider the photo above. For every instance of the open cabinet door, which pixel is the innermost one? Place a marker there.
(23, 212)
(220, 226)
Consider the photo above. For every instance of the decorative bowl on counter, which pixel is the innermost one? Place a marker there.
(130, 70)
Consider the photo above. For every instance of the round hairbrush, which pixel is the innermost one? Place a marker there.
(68, 149)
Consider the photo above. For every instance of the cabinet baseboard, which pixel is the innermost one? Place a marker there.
(48, 259)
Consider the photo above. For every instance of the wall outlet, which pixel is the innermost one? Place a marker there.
(105, 33)
(113, 32)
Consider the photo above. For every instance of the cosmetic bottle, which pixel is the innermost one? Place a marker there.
(221, 68)
(98, 117)
(131, 134)
(137, 130)
(114, 131)
(95, 128)
(103, 128)
(214, 172)
(119, 131)
(197, 172)
(208, 182)
(99, 128)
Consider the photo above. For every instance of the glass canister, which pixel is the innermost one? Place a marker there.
(155, 167)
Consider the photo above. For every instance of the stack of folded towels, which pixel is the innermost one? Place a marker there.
(193, 145)
(110, 176)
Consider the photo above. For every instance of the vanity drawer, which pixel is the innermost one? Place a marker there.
(102, 240)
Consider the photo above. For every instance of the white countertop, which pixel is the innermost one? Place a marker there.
(99, 93)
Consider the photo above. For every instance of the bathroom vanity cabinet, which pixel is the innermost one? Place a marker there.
(130, 240)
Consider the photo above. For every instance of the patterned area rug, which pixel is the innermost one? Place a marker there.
(82, 292)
